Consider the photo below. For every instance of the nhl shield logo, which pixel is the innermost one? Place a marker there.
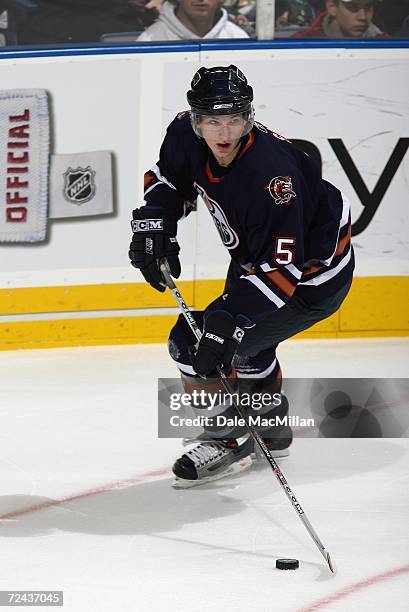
(281, 190)
(79, 185)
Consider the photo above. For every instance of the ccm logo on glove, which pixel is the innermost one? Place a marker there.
(154, 239)
(221, 337)
(214, 337)
(147, 225)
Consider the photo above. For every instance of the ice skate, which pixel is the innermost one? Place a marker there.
(278, 446)
(211, 460)
(202, 437)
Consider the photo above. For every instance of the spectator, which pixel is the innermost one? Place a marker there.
(191, 19)
(240, 12)
(344, 19)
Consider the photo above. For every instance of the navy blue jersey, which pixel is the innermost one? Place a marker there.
(288, 228)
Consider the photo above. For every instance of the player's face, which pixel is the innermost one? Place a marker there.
(222, 133)
(353, 18)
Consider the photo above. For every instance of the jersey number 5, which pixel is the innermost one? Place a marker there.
(284, 251)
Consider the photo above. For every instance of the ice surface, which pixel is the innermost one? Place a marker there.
(79, 452)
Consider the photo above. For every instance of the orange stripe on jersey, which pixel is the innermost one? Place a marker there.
(341, 248)
(311, 270)
(282, 283)
(232, 373)
(210, 176)
(248, 145)
(148, 178)
(343, 243)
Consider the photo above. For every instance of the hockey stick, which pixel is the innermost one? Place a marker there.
(164, 268)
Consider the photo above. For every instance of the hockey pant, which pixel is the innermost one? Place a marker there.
(255, 363)
(256, 380)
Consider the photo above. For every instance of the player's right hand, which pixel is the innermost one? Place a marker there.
(220, 339)
(154, 238)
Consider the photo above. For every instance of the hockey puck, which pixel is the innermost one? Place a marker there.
(287, 564)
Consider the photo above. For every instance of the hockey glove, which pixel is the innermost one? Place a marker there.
(154, 238)
(221, 337)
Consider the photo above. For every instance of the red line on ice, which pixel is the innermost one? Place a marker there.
(353, 588)
(118, 484)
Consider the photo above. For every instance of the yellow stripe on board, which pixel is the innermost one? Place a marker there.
(85, 332)
(375, 306)
(80, 298)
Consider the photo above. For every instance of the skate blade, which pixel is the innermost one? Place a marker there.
(234, 468)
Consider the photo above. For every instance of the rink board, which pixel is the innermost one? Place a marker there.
(98, 309)
(77, 288)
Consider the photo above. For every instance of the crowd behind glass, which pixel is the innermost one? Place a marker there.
(45, 22)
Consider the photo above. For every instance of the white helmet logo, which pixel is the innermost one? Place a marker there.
(215, 106)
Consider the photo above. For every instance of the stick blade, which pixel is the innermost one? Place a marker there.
(330, 562)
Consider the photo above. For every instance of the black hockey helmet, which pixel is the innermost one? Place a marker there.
(220, 91)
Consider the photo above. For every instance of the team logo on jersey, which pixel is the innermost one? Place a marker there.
(227, 233)
(278, 136)
(261, 127)
(281, 190)
(79, 185)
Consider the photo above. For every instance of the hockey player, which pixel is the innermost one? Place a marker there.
(288, 234)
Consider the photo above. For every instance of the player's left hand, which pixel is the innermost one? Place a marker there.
(221, 337)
